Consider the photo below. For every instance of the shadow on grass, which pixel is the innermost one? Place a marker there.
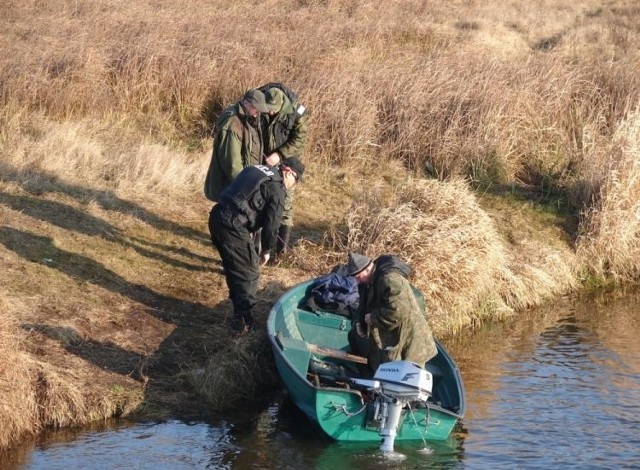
(106, 355)
(176, 250)
(200, 337)
(41, 250)
(241, 367)
(69, 218)
(38, 182)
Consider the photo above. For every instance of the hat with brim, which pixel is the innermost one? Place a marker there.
(357, 263)
(274, 98)
(256, 99)
(294, 164)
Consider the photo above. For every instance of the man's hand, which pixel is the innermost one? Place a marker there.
(273, 159)
(264, 258)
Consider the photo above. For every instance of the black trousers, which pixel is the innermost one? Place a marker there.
(361, 346)
(239, 258)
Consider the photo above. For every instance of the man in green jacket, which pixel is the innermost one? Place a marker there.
(392, 325)
(237, 143)
(284, 134)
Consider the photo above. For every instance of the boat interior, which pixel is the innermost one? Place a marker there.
(316, 346)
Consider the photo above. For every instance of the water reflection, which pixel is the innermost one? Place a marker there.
(436, 455)
(555, 388)
(561, 388)
(282, 437)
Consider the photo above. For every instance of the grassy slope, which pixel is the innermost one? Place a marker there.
(111, 295)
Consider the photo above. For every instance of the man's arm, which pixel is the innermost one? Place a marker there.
(229, 149)
(297, 139)
(388, 315)
(274, 204)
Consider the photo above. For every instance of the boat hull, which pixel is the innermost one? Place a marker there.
(345, 414)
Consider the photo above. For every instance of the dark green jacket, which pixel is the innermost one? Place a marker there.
(399, 328)
(237, 144)
(286, 132)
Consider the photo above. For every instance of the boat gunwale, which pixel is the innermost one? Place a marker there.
(303, 379)
(274, 343)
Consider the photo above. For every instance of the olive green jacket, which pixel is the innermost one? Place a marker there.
(286, 132)
(399, 329)
(237, 144)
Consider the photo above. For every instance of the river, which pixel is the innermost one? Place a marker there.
(557, 387)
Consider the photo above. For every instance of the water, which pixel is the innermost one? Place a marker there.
(563, 390)
(557, 388)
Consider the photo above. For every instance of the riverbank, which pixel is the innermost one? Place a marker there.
(506, 175)
(586, 346)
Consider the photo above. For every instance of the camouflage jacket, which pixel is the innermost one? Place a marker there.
(399, 328)
(286, 132)
(237, 144)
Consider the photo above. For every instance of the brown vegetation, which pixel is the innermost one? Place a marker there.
(609, 242)
(524, 114)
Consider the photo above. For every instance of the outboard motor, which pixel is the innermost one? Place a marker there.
(396, 384)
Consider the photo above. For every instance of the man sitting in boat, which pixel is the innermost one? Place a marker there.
(391, 325)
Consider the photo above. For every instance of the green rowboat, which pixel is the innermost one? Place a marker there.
(324, 380)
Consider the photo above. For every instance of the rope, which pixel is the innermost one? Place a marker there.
(343, 408)
(426, 423)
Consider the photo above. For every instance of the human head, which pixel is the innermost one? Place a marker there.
(360, 267)
(274, 98)
(254, 102)
(293, 166)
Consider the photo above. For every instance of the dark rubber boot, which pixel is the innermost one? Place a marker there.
(284, 233)
(241, 322)
(236, 322)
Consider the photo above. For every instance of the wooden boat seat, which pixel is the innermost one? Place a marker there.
(308, 358)
(337, 353)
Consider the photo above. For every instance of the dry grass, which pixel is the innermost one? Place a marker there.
(440, 230)
(18, 409)
(106, 111)
(461, 262)
(49, 377)
(609, 242)
(239, 375)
